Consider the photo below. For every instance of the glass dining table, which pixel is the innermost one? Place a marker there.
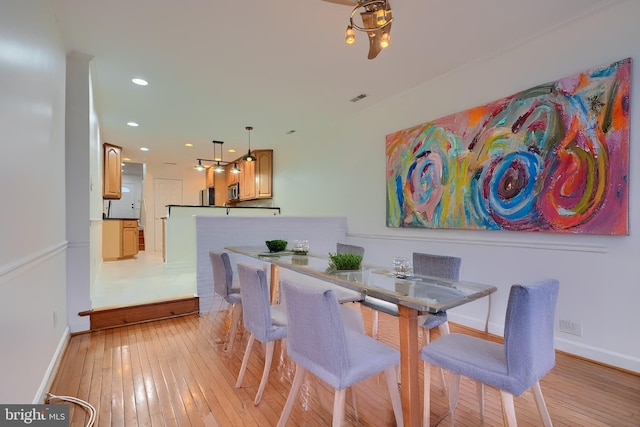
(413, 295)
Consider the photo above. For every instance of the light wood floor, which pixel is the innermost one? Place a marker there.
(174, 373)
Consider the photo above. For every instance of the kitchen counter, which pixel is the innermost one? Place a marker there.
(227, 210)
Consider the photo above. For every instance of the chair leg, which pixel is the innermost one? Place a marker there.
(235, 321)
(298, 379)
(268, 359)
(354, 403)
(245, 360)
(453, 395)
(394, 395)
(426, 394)
(508, 409)
(374, 323)
(542, 407)
(338, 407)
(444, 329)
(480, 391)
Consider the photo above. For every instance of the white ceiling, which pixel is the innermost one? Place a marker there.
(217, 66)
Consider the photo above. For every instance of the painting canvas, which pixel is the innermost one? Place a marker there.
(553, 158)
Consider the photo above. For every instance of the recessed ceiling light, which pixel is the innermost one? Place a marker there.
(139, 81)
(126, 159)
(132, 124)
(231, 150)
(144, 149)
(188, 144)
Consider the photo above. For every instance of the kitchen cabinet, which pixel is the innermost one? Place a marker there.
(256, 177)
(264, 174)
(111, 171)
(232, 178)
(119, 239)
(210, 179)
(248, 180)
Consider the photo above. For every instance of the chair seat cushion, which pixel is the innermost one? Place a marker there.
(234, 298)
(367, 357)
(380, 305)
(472, 357)
(431, 321)
(278, 315)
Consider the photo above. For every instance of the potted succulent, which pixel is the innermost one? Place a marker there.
(276, 245)
(345, 261)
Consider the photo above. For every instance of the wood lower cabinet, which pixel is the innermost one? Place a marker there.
(119, 239)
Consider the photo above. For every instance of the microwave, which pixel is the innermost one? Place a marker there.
(233, 191)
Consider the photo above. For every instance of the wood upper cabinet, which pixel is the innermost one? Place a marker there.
(210, 180)
(255, 178)
(232, 178)
(112, 171)
(248, 180)
(264, 174)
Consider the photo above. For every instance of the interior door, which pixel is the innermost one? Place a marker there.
(166, 192)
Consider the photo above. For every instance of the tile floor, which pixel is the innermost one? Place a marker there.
(143, 279)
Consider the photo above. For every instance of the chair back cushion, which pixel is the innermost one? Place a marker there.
(343, 248)
(447, 267)
(256, 305)
(528, 333)
(315, 337)
(222, 273)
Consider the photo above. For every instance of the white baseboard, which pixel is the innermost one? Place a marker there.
(52, 369)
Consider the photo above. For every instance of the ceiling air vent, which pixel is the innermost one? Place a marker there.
(359, 97)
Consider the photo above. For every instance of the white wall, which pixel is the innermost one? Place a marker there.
(33, 306)
(599, 274)
(83, 217)
(192, 182)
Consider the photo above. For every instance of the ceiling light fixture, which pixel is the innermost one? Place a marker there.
(139, 81)
(199, 167)
(249, 157)
(376, 22)
(219, 163)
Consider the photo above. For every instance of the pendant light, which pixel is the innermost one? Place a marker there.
(249, 157)
(199, 167)
(218, 167)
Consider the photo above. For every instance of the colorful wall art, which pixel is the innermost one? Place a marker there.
(554, 158)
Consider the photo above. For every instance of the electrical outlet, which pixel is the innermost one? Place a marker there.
(570, 327)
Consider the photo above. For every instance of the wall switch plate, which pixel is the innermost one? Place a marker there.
(570, 327)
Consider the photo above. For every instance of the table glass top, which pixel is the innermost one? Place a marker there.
(423, 293)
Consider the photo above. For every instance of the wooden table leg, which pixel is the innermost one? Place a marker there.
(409, 360)
(275, 284)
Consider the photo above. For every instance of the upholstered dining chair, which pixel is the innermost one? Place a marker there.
(343, 248)
(446, 267)
(526, 356)
(265, 322)
(224, 287)
(318, 341)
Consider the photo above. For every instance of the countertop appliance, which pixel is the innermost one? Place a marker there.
(233, 191)
(208, 197)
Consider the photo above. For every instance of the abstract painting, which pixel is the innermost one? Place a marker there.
(553, 158)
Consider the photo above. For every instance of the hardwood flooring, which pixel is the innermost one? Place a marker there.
(173, 372)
